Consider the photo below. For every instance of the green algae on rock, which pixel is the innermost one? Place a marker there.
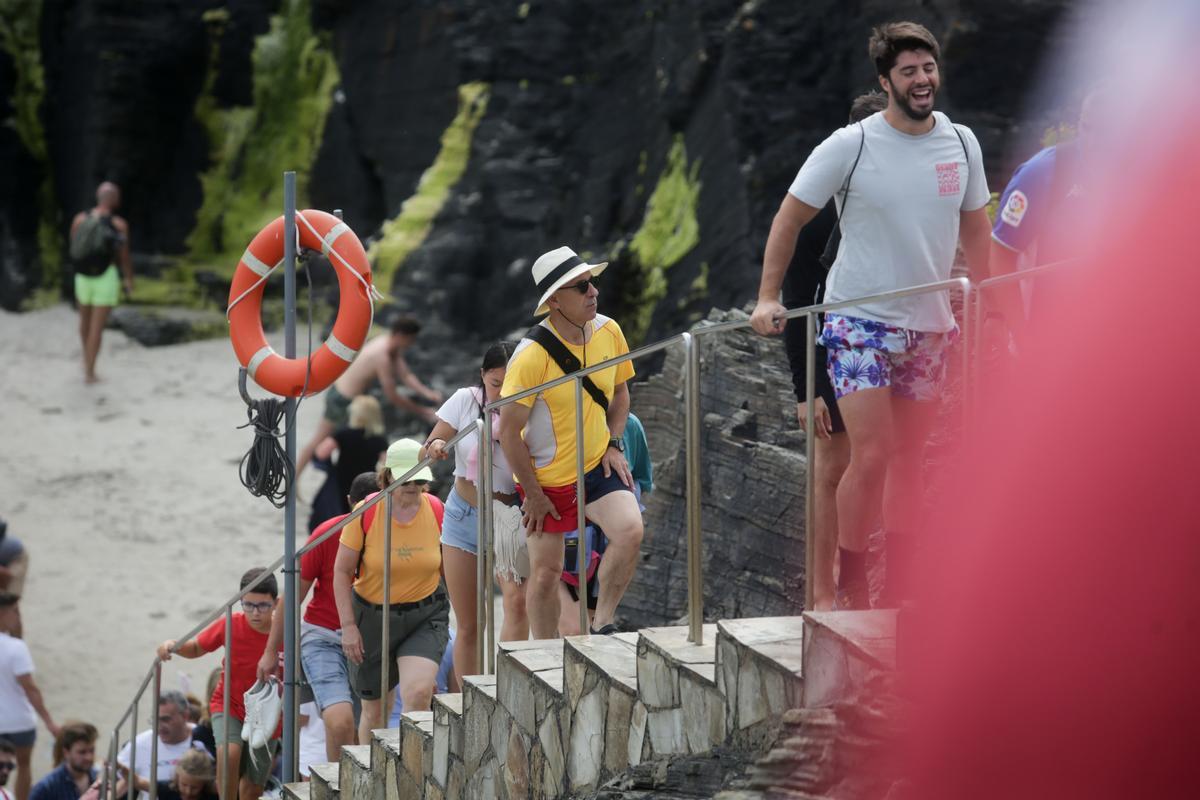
(404, 233)
(669, 231)
(251, 147)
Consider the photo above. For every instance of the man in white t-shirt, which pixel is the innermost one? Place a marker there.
(20, 699)
(909, 185)
(174, 739)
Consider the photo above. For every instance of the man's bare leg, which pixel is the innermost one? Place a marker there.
(97, 319)
(618, 515)
(324, 429)
(516, 619)
(904, 494)
(869, 425)
(833, 455)
(541, 591)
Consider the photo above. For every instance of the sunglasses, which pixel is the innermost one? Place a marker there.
(8, 765)
(421, 482)
(583, 285)
(257, 608)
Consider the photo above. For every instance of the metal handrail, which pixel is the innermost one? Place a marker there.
(226, 609)
(486, 562)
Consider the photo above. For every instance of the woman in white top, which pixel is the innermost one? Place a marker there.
(460, 528)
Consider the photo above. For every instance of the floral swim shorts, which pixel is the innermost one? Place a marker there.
(865, 354)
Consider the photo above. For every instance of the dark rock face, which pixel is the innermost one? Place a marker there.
(586, 99)
(752, 485)
(19, 267)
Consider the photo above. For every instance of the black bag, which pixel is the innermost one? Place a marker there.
(94, 244)
(566, 361)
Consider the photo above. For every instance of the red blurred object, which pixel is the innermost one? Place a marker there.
(1057, 652)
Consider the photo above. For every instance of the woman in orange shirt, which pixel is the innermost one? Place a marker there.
(419, 613)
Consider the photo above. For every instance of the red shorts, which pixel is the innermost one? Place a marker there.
(565, 500)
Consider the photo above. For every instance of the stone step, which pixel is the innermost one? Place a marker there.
(760, 675)
(324, 779)
(385, 763)
(842, 649)
(300, 790)
(449, 745)
(600, 678)
(485, 737)
(680, 705)
(416, 753)
(354, 773)
(529, 687)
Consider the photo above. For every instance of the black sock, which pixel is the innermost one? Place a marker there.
(853, 569)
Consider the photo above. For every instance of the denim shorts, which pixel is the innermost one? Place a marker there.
(460, 525)
(325, 665)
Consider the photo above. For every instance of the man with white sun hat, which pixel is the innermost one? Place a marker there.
(537, 435)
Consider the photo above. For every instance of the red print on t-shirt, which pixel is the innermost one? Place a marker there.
(947, 175)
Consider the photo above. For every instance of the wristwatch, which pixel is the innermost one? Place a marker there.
(617, 442)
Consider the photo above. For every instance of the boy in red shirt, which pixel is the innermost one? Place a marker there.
(251, 627)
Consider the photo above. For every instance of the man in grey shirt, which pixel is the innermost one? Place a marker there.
(909, 185)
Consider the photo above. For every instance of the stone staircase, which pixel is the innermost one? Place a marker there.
(562, 717)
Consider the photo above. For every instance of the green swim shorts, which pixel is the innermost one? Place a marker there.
(337, 407)
(102, 290)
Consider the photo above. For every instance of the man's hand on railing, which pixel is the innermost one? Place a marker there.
(164, 650)
(352, 643)
(534, 510)
(820, 417)
(764, 321)
(614, 461)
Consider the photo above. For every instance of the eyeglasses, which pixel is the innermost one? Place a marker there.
(8, 765)
(257, 608)
(582, 286)
(421, 482)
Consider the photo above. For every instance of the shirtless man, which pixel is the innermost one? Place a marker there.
(382, 359)
(97, 285)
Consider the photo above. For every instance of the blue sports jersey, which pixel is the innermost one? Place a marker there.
(1040, 206)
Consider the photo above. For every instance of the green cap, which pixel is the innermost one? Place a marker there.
(402, 456)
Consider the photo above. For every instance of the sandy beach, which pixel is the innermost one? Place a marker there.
(127, 496)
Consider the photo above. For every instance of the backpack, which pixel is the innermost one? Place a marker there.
(368, 519)
(94, 244)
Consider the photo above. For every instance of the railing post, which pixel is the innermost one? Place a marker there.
(810, 454)
(131, 789)
(289, 511)
(157, 689)
(227, 681)
(583, 553)
(385, 654)
(695, 570)
(971, 366)
(297, 671)
(484, 553)
(111, 772)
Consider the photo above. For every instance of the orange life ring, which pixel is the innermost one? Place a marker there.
(271, 371)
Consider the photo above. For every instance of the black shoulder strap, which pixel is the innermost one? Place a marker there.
(566, 361)
(963, 142)
(835, 236)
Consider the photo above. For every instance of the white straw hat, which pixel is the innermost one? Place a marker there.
(555, 269)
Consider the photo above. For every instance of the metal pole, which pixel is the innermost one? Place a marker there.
(971, 367)
(227, 683)
(157, 689)
(583, 553)
(483, 499)
(131, 789)
(691, 349)
(487, 549)
(810, 457)
(297, 668)
(289, 512)
(111, 770)
(385, 649)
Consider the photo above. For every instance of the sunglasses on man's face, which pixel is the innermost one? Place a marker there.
(583, 285)
(7, 765)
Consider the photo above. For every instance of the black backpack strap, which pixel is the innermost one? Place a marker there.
(963, 142)
(835, 236)
(566, 361)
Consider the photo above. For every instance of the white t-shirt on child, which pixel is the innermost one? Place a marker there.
(900, 218)
(461, 411)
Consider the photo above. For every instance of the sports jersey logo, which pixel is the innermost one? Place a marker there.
(1015, 208)
(947, 175)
